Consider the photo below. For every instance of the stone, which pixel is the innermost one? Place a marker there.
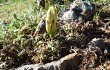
(99, 43)
(40, 28)
(71, 60)
(69, 15)
(82, 6)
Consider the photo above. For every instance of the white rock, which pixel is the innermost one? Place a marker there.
(81, 5)
(69, 15)
(2, 65)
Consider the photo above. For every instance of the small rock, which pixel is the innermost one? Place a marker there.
(2, 65)
(97, 42)
(80, 5)
(69, 15)
(40, 28)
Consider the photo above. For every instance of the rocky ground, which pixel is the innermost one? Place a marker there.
(82, 42)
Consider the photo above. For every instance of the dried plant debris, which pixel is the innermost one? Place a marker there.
(95, 55)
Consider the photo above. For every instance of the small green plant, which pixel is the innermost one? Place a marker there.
(99, 11)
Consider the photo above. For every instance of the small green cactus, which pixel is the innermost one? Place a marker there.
(51, 21)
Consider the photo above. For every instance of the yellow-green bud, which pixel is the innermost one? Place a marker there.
(51, 21)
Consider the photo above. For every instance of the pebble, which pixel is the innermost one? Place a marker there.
(40, 28)
(69, 15)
